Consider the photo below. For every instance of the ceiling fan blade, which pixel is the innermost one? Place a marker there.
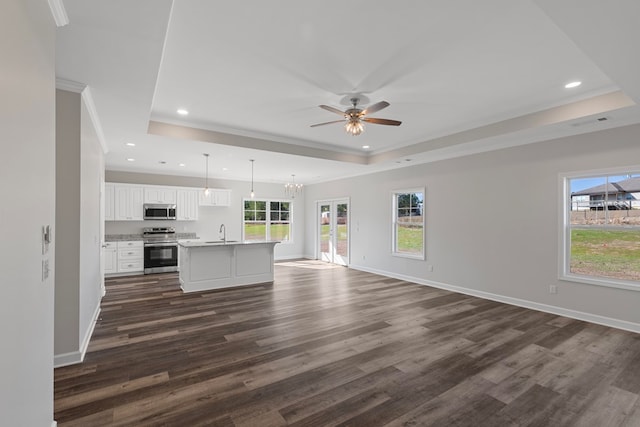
(375, 107)
(388, 122)
(333, 110)
(327, 123)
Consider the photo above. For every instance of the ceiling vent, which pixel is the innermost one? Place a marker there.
(591, 121)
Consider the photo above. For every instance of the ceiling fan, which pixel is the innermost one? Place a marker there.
(355, 117)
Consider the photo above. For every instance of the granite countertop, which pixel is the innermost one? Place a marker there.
(134, 237)
(122, 237)
(198, 244)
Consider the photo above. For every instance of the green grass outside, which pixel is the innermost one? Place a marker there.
(410, 239)
(604, 253)
(342, 231)
(258, 232)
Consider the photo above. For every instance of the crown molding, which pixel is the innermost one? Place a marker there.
(70, 85)
(59, 13)
(93, 114)
(87, 97)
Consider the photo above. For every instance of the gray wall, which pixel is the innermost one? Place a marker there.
(27, 184)
(210, 218)
(79, 163)
(492, 223)
(67, 221)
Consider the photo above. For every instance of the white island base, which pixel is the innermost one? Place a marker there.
(205, 266)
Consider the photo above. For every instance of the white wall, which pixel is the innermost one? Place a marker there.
(502, 240)
(27, 186)
(91, 175)
(210, 218)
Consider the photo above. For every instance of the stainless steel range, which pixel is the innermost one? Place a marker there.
(160, 249)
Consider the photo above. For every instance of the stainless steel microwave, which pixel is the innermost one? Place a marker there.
(159, 211)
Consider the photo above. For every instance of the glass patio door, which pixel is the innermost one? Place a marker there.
(333, 231)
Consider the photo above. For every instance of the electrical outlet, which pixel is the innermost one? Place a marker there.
(553, 289)
(45, 269)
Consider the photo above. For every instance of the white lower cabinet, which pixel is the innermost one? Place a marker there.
(124, 257)
(110, 258)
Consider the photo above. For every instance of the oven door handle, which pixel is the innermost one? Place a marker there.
(164, 245)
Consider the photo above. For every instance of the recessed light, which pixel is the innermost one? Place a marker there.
(131, 144)
(572, 85)
(182, 112)
(366, 147)
(131, 160)
(225, 169)
(182, 165)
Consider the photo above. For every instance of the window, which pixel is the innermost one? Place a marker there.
(267, 220)
(601, 240)
(408, 223)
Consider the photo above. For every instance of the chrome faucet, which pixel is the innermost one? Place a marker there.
(223, 230)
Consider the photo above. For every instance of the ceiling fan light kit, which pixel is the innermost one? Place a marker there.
(355, 117)
(354, 126)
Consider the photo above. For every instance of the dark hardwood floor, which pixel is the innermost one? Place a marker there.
(327, 345)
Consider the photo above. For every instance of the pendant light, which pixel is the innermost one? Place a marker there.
(252, 193)
(206, 182)
(292, 189)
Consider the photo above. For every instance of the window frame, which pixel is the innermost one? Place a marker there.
(565, 227)
(267, 221)
(394, 224)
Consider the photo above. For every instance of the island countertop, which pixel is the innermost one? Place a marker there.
(215, 264)
(202, 243)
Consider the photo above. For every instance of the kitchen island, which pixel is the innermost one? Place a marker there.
(219, 264)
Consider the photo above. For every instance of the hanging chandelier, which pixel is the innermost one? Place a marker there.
(292, 189)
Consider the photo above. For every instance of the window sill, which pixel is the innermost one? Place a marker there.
(419, 257)
(601, 281)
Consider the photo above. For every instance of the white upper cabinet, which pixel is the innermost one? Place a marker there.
(109, 202)
(216, 197)
(187, 206)
(125, 202)
(128, 203)
(160, 195)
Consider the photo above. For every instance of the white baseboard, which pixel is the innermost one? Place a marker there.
(574, 314)
(288, 257)
(66, 359)
(54, 423)
(74, 357)
(87, 336)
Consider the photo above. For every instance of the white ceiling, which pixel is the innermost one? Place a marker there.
(463, 76)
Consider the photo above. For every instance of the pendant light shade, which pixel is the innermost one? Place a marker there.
(206, 182)
(252, 193)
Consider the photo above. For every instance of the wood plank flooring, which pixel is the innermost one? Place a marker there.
(327, 345)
